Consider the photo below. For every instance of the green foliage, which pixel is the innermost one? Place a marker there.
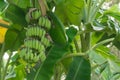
(71, 33)
(21, 4)
(49, 63)
(19, 72)
(16, 15)
(14, 37)
(77, 67)
(69, 11)
(2, 4)
(60, 37)
(114, 12)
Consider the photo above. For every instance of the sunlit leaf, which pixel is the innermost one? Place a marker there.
(96, 57)
(69, 11)
(2, 34)
(106, 74)
(114, 66)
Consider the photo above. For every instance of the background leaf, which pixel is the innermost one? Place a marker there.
(79, 70)
(16, 15)
(14, 37)
(57, 31)
(69, 11)
(114, 11)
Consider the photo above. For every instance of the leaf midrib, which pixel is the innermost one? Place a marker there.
(77, 69)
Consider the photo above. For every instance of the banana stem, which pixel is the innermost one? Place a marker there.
(85, 42)
(76, 46)
(42, 7)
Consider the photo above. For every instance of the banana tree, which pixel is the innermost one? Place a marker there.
(59, 40)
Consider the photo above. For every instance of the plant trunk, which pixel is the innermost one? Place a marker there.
(85, 42)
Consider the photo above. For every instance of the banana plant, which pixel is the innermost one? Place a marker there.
(59, 40)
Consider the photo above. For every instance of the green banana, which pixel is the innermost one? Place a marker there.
(43, 22)
(40, 33)
(22, 53)
(57, 32)
(35, 57)
(36, 14)
(27, 56)
(47, 24)
(48, 43)
(31, 56)
(27, 17)
(35, 31)
(36, 41)
(37, 45)
(40, 21)
(42, 57)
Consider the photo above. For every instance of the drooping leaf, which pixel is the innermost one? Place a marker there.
(71, 33)
(14, 37)
(57, 31)
(79, 70)
(46, 70)
(69, 11)
(16, 15)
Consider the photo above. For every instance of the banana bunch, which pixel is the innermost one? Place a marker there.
(36, 40)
